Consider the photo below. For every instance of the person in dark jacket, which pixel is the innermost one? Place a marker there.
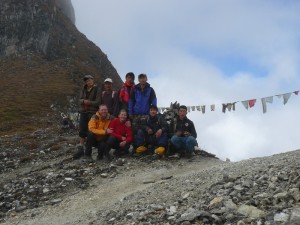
(89, 101)
(126, 91)
(154, 133)
(142, 98)
(185, 134)
(110, 98)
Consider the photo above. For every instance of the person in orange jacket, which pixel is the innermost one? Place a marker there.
(98, 132)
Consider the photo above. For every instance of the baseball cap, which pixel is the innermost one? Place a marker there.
(86, 77)
(108, 80)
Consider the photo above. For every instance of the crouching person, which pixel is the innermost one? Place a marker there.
(154, 133)
(121, 136)
(98, 131)
(184, 137)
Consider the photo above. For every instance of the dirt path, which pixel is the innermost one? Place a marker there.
(82, 207)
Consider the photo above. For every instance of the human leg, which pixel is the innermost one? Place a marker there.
(177, 142)
(110, 142)
(101, 146)
(140, 141)
(122, 150)
(83, 130)
(83, 126)
(90, 142)
(161, 144)
(190, 144)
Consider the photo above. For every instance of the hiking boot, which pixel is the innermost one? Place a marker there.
(197, 149)
(99, 157)
(79, 153)
(175, 156)
(155, 156)
(141, 149)
(88, 159)
(108, 157)
(189, 155)
(160, 150)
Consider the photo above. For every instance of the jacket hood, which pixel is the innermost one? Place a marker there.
(139, 85)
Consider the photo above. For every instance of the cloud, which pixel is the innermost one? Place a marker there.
(203, 53)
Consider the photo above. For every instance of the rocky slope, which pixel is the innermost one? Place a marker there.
(43, 58)
(41, 184)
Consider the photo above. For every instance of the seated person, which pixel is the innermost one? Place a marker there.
(98, 131)
(153, 132)
(184, 137)
(121, 136)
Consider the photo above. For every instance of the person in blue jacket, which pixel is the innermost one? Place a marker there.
(139, 103)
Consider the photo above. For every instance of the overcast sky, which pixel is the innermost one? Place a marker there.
(202, 52)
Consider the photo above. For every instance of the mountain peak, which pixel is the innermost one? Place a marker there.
(43, 58)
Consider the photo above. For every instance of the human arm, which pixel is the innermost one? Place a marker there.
(164, 126)
(192, 130)
(128, 135)
(153, 99)
(116, 104)
(131, 103)
(113, 125)
(94, 126)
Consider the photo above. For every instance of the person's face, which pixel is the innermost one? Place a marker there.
(143, 80)
(108, 86)
(89, 82)
(153, 112)
(122, 116)
(129, 79)
(103, 111)
(182, 113)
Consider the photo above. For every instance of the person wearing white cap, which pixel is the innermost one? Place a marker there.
(110, 98)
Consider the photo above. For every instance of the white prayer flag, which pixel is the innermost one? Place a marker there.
(246, 104)
(286, 97)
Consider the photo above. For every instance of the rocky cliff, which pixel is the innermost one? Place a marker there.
(42, 60)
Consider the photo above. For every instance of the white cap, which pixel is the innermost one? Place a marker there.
(108, 80)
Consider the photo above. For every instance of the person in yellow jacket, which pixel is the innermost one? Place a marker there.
(98, 131)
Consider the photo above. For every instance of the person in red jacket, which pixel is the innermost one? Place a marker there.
(121, 136)
(126, 90)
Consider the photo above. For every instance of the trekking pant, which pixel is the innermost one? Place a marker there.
(113, 142)
(187, 143)
(83, 124)
(147, 139)
(91, 141)
(137, 123)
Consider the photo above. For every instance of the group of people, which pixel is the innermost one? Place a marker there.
(112, 119)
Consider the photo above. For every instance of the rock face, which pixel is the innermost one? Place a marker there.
(67, 7)
(31, 25)
(41, 48)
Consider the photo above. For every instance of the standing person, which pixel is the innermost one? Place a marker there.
(88, 105)
(126, 90)
(121, 135)
(153, 133)
(110, 98)
(184, 132)
(98, 127)
(142, 98)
